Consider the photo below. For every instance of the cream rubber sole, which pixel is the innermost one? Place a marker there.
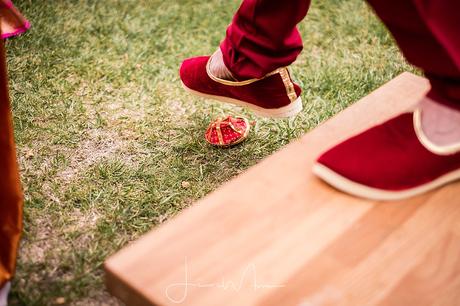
(283, 112)
(348, 186)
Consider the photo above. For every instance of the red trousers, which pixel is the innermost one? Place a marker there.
(10, 191)
(263, 36)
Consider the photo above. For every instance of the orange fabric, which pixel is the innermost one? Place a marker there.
(10, 190)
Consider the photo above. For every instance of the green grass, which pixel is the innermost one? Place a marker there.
(106, 135)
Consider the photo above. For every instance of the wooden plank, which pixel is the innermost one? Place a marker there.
(289, 239)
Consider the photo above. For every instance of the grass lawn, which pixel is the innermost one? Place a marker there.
(106, 135)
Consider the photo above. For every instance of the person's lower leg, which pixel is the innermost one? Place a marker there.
(429, 38)
(261, 38)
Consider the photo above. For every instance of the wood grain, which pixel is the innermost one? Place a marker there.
(289, 239)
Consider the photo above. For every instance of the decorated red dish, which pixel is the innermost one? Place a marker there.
(228, 131)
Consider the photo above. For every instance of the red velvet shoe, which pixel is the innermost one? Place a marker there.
(274, 95)
(387, 162)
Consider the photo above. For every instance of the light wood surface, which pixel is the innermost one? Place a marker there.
(276, 235)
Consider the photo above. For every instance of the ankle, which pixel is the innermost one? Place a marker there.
(218, 68)
(439, 123)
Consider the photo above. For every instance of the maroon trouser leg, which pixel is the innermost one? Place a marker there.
(263, 37)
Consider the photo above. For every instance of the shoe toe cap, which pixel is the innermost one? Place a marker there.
(384, 157)
(193, 71)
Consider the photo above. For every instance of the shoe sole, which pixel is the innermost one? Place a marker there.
(287, 111)
(348, 186)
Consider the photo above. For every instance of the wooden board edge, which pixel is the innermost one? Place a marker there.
(119, 287)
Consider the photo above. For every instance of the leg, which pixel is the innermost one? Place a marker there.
(263, 36)
(249, 69)
(10, 191)
(427, 33)
(415, 151)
